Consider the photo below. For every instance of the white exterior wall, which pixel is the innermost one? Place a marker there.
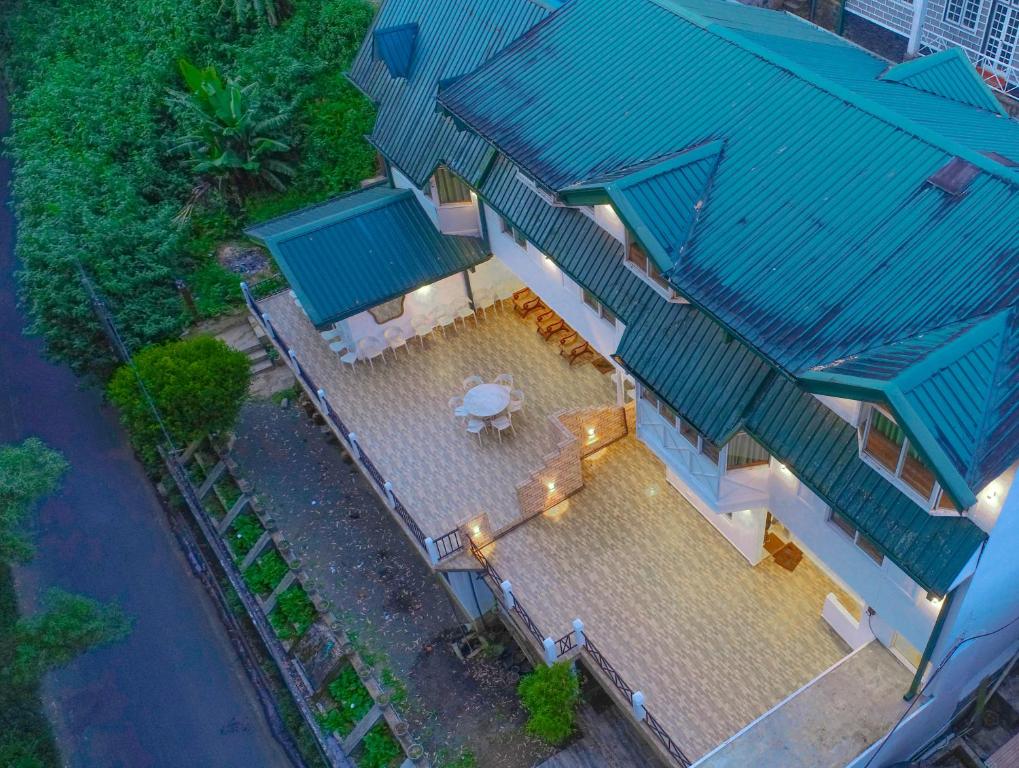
(556, 289)
(987, 604)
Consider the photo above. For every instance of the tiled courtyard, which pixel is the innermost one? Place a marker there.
(711, 641)
(401, 415)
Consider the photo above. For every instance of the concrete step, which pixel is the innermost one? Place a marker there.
(261, 365)
(257, 355)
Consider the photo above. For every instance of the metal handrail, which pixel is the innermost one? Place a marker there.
(448, 544)
(565, 644)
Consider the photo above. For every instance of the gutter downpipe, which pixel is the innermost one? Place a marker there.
(916, 27)
(928, 650)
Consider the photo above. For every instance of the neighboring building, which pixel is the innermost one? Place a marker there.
(986, 31)
(780, 500)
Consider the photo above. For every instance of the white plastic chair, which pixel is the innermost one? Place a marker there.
(443, 317)
(371, 347)
(350, 359)
(484, 299)
(472, 381)
(516, 403)
(462, 312)
(456, 406)
(395, 338)
(504, 380)
(297, 301)
(476, 427)
(422, 327)
(501, 423)
(333, 334)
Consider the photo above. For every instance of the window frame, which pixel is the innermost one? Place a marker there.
(680, 426)
(963, 10)
(594, 304)
(436, 190)
(895, 477)
(649, 272)
(844, 525)
(507, 228)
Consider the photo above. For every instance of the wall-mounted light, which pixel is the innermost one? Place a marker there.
(424, 290)
(476, 529)
(591, 436)
(935, 600)
(551, 486)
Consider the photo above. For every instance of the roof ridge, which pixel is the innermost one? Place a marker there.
(327, 221)
(313, 206)
(847, 95)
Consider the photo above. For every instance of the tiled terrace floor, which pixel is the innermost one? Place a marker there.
(712, 641)
(402, 419)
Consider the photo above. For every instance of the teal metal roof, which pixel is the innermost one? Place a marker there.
(360, 250)
(820, 217)
(948, 74)
(395, 47)
(659, 202)
(453, 38)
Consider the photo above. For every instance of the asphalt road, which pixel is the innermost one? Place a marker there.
(174, 693)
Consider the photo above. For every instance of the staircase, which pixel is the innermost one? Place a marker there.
(246, 335)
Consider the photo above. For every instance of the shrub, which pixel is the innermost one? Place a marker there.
(215, 289)
(244, 532)
(266, 573)
(352, 699)
(293, 613)
(379, 749)
(550, 695)
(197, 384)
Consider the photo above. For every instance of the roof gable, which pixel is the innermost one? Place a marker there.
(395, 47)
(948, 74)
(659, 201)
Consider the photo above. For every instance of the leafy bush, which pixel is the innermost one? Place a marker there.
(352, 700)
(197, 384)
(244, 532)
(293, 613)
(229, 492)
(215, 289)
(28, 472)
(379, 749)
(265, 574)
(550, 696)
(96, 182)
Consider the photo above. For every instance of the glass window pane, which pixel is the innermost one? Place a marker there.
(518, 236)
(504, 224)
(884, 443)
(946, 502)
(916, 474)
(870, 548)
(451, 188)
(668, 414)
(842, 524)
(590, 300)
(655, 274)
(636, 256)
(649, 396)
(744, 451)
(689, 433)
(709, 449)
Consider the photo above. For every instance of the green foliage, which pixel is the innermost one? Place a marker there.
(290, 393)
(352, 700)
(198, 385)
(92, 130)
(228, 491)
(231, 137)
(266, 573)
(244, 532)
(550, 696)
(215, 289)
(379, 749)
(463, 759)
(28, 472)
(293, 613)
(70, 625)
(269, 11)
(395, 686)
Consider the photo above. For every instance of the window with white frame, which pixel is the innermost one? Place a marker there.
(965, 13)
(597, 307)
(518, 236)
(861, 540)
(638, 260)
(885, 446)
(698, 442)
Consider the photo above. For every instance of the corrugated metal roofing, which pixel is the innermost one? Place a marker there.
(659, 202)
(453, 38)
(395, 47)
(363, 249)
(820, 216)
(947, 73)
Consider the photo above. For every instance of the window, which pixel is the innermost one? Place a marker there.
(963, 12)
(638, 259)
(697, 441)
(860, 539)
(744, 451)
(516, 234)
(597, 307)
(451, 189)
(885, 444)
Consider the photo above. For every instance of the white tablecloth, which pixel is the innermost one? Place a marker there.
(486, 400)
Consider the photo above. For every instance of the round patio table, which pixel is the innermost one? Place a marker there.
(486, 400)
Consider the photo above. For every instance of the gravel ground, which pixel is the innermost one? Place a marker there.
(377, 584)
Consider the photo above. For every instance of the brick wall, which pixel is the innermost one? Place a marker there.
(608, 425)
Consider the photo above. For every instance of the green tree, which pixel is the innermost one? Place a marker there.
(197, 384)
(28, 472)
(272, 11)
(550, 696)
(231, 137)
(70, 625)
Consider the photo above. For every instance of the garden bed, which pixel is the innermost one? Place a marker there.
(379, 749)
(243, 533)
(227, 491)
(348, 702)
(293, 613)
(265, 574)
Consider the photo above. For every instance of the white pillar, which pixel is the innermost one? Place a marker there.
(432, 550)
(507, 591)
(268, 326)
(550, 655)
(578, 632)
(322, 401)
(354, 446)
(388, 488)
(916, 27)
(638, 705)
